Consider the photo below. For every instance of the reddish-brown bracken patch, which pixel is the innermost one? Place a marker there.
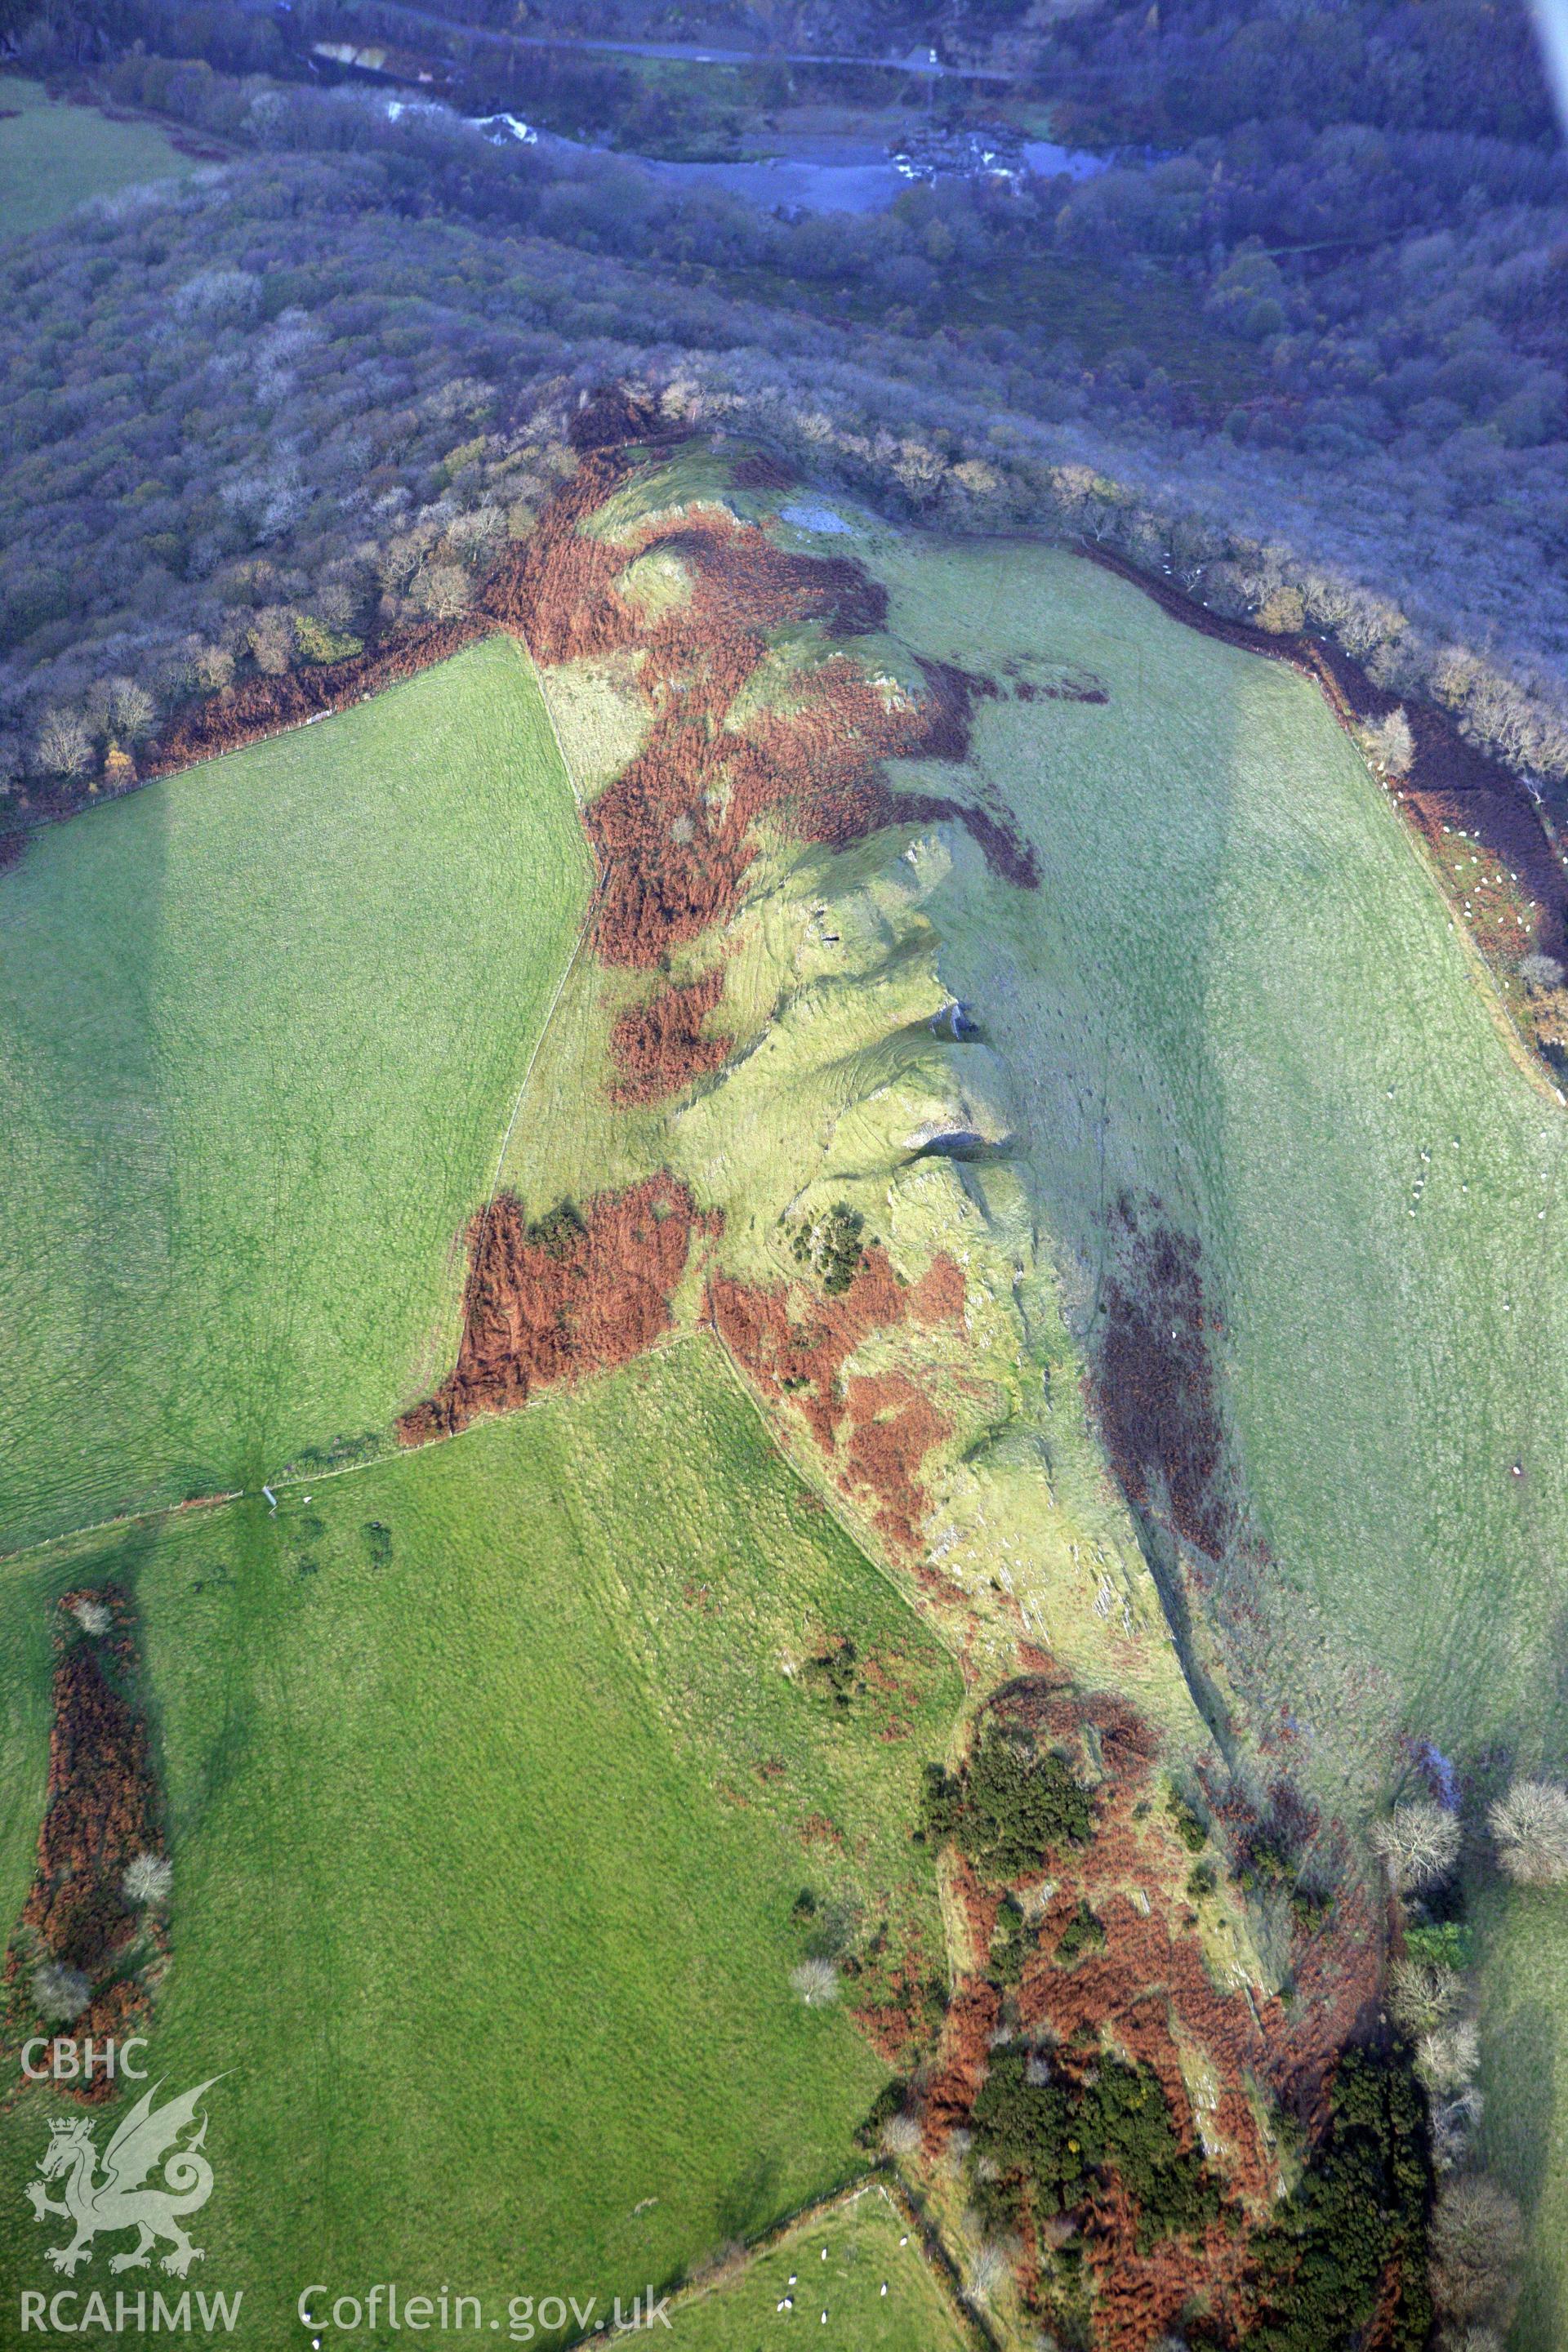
(893, 1425)
(971, 2021)
(795, 1344)
(1497, 866)
(100, 1812)
(676, 833)
(937, 1296)
(890, 2007)
(1149, 1995)
(659, 1047)
(556, 1301)
(763, 473)
(1154, 1384)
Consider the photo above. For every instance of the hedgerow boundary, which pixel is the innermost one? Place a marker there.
(882, 2182)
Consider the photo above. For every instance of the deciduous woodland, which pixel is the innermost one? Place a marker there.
(1352, 420)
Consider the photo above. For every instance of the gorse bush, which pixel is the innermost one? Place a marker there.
(1445, 1943)
(1055, 2142)
(832, 1246)
(1011, 1807)
(1010, 1945)
(835, 1673)
(1083, 1932)
(1186, 1822)
(558, 1231)
(1351, 2239)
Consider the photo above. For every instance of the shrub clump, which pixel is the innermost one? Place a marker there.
(885, 2108)
(1054, 2144)
(832, 1246)
(1083, 1932)
(1010, 1808)
(1440, 1943)
(834, 1672)
(558, 1231)
(1011, 1944)
(1186, 1822)
(1353, 2238)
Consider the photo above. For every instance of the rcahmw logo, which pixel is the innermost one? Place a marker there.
(125, 2196)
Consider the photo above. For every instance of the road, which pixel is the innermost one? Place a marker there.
(931, 68)
(926, 65)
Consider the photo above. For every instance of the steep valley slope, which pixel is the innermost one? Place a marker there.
(1043, 1021)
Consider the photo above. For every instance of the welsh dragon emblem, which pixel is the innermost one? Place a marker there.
(120, 2199)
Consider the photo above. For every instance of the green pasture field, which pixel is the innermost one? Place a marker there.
(862, 2242)
(1237, 989)
(1524, 2076)
(261, 1030)
(490, 1800)
(54, 156)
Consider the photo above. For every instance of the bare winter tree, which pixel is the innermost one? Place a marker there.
(1531, 1826)
(1477, 2240)
(132, 709)
(1388, 743)
(60, 1992)
(64, 747)
(272, 639)
(214, 668)
(901, 2136)
(1446, 2058)
(1417, 1844)
(987, 2271)
(1422, 1995)
(1455, 2122)
(148, 1878)
(442, 592)
(816, 1983)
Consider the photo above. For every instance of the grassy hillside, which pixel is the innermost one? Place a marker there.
(483, 1893)
(1237, 990)
(54, 156)
(262, 1027)
(496, 1772)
